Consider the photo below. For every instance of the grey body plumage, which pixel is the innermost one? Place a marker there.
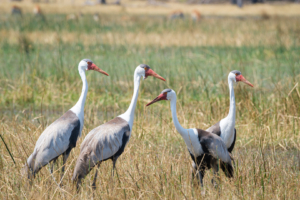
(107, 141)
(57, 138)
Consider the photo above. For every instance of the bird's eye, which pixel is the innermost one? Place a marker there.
(236, 74)
(89, 63)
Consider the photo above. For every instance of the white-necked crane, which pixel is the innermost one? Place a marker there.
(108, 140)
(204, 147)
(226, 127)
(61, 136)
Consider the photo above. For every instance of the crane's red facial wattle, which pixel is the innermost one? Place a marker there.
(241, 78)
(92, 66)
(160, 97)
(150, 72)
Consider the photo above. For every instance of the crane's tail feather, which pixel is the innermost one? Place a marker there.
(227, 169)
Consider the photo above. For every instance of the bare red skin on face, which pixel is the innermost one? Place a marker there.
(160, 97)
(92, 66)
(150, 72)
(242, 79)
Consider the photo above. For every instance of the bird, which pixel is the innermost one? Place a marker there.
(37, 10)
(38, 13)
(16, 10)
(204, 147)
(225, 128)
(108, 140)
(176, 14)
(60, 137)
(96, 17)
(195, 15)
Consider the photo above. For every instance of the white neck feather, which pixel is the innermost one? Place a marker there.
(228, 123)
(78, 108)
(129, 114)
(177, 125)
(231, 114)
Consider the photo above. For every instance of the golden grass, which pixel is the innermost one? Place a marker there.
(247, 33)
(156, 164)
(142, 7)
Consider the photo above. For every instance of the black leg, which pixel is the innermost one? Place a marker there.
(216, 174)
(201, 173)
(65, 157)
(52, 165)
(78, 184)
(114, 166)
(95, 178)
(194, 172)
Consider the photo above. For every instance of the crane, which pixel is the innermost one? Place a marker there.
(204, 147)
(60, 137)
(108, 140)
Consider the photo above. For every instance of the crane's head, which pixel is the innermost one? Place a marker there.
(87, 64)
(166, 94)
(145, 71)
(237, 76)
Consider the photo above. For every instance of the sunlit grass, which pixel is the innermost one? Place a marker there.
(39, 81)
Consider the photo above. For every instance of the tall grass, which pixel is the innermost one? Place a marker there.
(39, 81)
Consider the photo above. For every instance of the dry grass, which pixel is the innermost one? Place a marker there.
(156, 164)
(143, 8)
(38, 84)
(208, 32)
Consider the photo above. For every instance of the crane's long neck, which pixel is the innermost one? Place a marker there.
(78, 108)
(177, 125)
(129, 114)
(231, 114)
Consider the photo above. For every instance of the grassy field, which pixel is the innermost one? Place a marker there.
(39, 81)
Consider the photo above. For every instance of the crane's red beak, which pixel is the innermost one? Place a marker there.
(160, 97)
(150, 72)
(241, 78)
(95, 68)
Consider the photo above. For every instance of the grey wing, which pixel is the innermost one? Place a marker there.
(215, 146)
(55, 140)
(106, 140)
(102, 143)
(215, 129)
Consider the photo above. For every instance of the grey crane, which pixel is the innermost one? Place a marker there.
(108, 140)
(204, 147)
(61, 136)
(225, 128)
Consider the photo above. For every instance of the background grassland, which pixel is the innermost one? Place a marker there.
(39, 81)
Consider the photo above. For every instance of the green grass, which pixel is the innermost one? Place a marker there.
(38, 82)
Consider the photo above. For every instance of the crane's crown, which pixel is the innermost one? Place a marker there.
(87, 60)
(144, 66)
(236, 72)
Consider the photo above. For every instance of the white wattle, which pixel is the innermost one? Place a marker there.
(129, 114)
(190, 136)
(228, 123)
(78, 108)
